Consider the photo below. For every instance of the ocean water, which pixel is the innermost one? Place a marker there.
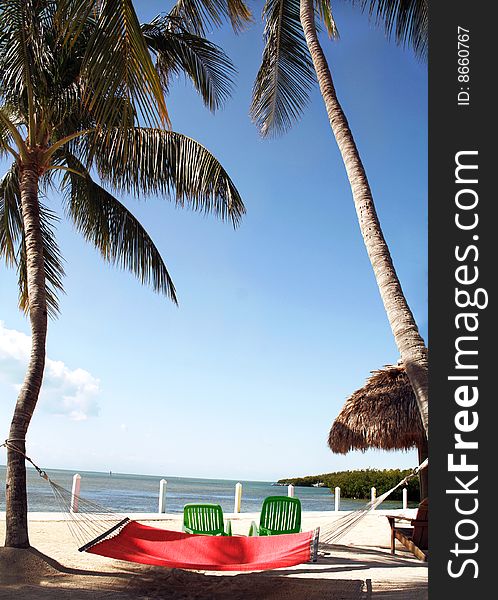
(140, 493)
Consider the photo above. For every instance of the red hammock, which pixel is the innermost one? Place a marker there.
(153, 546)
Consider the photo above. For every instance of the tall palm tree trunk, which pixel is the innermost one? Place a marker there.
(16, 495)
(410, 344)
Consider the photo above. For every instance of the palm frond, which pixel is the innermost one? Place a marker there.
(282, 86)
(71, 18)
(198, 15)
(179, 51)
(10, 216)
(118, 64)
(5, 140)
(239, 14)
(114, 231)
(406, 20)
(16, 60)
(11, 130)
(24, 55)
(15, 57)
(324, 10)
(12, 243)
(154, 161)
(53, 263)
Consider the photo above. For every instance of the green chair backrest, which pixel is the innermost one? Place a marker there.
(280, 514)
(206, 519)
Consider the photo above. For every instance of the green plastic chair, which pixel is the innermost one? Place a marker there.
(279, 514)
(205, 519)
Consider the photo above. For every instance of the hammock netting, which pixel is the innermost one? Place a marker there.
(154, 546)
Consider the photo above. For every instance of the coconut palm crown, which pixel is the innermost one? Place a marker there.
(83, 112)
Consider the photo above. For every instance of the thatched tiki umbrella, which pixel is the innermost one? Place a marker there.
(382, 414)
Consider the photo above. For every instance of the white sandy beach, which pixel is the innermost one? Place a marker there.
(359, 568)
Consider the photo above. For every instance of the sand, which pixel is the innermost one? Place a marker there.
(360, 568)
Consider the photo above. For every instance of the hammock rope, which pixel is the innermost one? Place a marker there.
(335, 531)
(99, 530)
(90, 521)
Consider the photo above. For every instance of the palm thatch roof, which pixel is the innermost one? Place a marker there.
(382, 414)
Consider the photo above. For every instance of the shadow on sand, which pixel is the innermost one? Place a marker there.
(32, 575)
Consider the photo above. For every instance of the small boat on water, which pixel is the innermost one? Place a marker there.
(319, 484)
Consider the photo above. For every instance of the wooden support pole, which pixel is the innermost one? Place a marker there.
(75, 492)
(373, 493)
(337, 498)
(238, 497)
(162, 495)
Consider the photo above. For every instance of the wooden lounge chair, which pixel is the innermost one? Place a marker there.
(413, 538)
(279, 514)
(205, 519)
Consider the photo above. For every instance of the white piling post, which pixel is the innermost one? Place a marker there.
(373, 493)
(162, 495)
(337, 498)
(238, 497)
(75, 492)
(290, 490)
(405, 498)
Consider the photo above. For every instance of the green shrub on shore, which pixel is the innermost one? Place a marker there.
(357, 484)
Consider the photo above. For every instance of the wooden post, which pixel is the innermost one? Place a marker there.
(405, 498)
(238, 497)
(290, 490)
(337, 498)
(162, 495)
(75, 492)
(373, 493)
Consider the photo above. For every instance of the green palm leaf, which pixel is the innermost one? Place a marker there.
(324, 10)
(179, 51)
(25, 57)
(12, 246)
(17, 56)
(114, 231)
(53, 264)
(282, 86)
(71, 18)
(154, 161)
(406, 20)
(5, 137)
(10, 217)
(197, 15)
(118, 64)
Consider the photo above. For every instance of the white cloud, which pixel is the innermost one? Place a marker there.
(69, 392)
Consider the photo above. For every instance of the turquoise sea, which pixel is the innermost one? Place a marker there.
(140, 493)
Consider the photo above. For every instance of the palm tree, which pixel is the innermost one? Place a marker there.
(82, 110)
(293, 60)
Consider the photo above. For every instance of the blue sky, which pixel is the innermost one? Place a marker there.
(279, 321)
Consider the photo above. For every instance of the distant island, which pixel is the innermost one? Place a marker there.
(357, 484)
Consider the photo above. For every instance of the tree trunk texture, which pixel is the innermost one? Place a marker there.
(410, 344)
(423, 476)
(16, 493)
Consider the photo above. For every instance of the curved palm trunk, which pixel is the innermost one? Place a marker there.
(408, 340)
(16, 495)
